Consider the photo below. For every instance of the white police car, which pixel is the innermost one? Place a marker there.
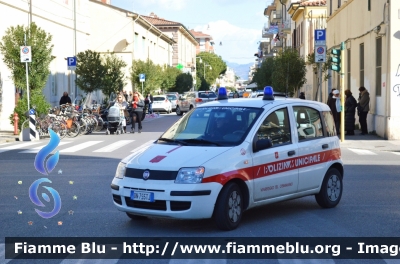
(264, 150)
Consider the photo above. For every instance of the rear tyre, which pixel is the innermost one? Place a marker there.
(331, 189)
(229, 207)
(178, 111)
(136, 217)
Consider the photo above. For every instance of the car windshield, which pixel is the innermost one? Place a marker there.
(213, 126)
(172, 97)
(158, 98)
(207, 95)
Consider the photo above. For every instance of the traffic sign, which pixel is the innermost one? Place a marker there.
(71, 63)
(142, 77)
(320, 54)
(320, 37)
(31, 111)
(26, 54)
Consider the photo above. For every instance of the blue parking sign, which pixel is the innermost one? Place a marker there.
(142, 77)
(71, 63)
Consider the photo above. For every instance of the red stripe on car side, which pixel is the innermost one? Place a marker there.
(174, 148)
(271, 168)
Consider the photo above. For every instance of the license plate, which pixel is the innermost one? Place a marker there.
(142, 196)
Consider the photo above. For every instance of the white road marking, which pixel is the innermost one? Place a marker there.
(362, 151)
(114, 146)
(36, 150)
(143, 146)
(395, 153)
(80, 146)
(17, 146)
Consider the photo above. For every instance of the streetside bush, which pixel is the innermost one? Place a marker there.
(37, 99)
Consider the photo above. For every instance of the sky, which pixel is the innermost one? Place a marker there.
(237, 24)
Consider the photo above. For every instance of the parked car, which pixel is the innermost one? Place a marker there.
(161, 104)
(174, 100)
(183, 105)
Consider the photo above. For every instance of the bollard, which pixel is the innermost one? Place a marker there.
(16, 118)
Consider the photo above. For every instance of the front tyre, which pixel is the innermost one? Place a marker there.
(331, 189)
(229, 207)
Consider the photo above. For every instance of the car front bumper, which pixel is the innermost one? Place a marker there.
(183, 201)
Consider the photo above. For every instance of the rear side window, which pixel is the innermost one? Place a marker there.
(308, 121)
(329, 123)
(158, 99)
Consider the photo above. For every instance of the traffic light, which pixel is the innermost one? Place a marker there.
(336, 61)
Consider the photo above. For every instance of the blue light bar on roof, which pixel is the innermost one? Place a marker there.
(222, 94)
(268, 93)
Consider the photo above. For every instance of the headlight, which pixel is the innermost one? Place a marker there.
(190, 175)
(120, 173)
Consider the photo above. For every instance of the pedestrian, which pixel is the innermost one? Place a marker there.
(65, 99)
(126, 96)
(330, 96)
(350, 106)
(149, 103)
(363, 109)
(122, 104)
(335, 106)
(137, 112)
(130, 97)
(302, 96)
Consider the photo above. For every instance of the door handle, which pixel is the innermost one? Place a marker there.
(291, 153)
(325, 146)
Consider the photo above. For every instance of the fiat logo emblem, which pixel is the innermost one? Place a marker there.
(146, 174)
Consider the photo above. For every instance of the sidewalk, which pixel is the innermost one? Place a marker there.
(8, 136)
(370, 142)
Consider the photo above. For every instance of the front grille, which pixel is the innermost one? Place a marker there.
(154, 174)
(180, 206)
(160, 205)
(117, 199)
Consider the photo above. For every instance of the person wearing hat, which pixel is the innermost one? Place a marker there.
(363, 109)
(302, 96)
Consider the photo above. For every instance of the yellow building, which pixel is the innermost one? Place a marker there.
(371, 32)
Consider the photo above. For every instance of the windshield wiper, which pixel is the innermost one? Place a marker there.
(173, 141)
(199, 140)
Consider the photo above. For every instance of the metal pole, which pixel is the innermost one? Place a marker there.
(27, 80)
(142, 88)
(287, 80)
(76, 88)
(320, 81)
(342, 72)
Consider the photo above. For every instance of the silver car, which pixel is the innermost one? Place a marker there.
(174, 100)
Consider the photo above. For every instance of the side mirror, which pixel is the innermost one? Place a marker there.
(261, 144)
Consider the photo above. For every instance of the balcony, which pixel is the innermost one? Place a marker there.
(287, 26)
(276, 16)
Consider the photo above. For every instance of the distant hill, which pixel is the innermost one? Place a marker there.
(241, 70)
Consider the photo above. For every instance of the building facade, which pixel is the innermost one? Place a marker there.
(205, 42)
(56, 17)
(370, 30)
(184, 48)
(128, 35)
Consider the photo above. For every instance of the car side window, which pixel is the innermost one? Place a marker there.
(308, 121)
(276, 127)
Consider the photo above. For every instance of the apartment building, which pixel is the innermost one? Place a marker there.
(206, 43)
(370, 30)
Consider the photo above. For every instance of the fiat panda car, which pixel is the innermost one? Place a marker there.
(230, 155)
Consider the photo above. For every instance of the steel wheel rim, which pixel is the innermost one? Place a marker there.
(234, 210)
(334, 188)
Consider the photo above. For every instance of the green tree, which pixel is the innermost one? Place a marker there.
(41, 49)
(263, 75)
(153, 75)
(289, 71)
(37, 100)
(184, 82)
(114, 79)
(169, 74)
(90, 71)
(218, 67)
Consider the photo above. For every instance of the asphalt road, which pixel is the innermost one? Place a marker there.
(82, 177)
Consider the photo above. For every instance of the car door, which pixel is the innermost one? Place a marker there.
(274, 172)
(313, 147)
